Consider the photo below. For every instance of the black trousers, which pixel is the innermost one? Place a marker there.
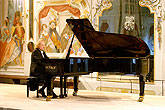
(76, 80)
(46, 79)
(48, 84)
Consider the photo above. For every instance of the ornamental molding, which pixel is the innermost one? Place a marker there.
(99, 8)
(156, 8)
(151, 4)
(82, 5)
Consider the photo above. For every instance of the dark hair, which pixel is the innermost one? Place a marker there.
(43, 26)
(6, 20)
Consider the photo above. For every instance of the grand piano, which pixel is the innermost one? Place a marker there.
(107, 52)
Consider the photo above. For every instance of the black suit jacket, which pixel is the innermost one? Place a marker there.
(38, 63)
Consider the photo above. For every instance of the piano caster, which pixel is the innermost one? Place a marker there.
(74, 93)
(48, 98)
(61, 96)
(66, 95)
(141, 98)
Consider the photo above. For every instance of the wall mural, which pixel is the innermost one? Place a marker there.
(48, 27)
(52, 28)
(12, 37)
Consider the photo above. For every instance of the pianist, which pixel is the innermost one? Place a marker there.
(37, 68)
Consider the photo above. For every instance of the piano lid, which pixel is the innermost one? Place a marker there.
(100, 44)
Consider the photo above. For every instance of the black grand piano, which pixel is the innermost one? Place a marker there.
(108, 52)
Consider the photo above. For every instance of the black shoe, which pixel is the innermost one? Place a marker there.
(54, 95)
(42, 93)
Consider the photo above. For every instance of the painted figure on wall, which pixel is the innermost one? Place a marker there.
(49, 46)
(65, 36)
(17, 32)
(12, 41)
(77, 48)
(7, 44)
(5, 31)
(59, 31)
(53, 34)
(51, 15)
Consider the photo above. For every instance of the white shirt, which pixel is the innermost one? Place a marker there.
(42, 53)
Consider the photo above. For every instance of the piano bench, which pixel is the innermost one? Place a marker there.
(32, 85)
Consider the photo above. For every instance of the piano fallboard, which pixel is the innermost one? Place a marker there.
(83, 66)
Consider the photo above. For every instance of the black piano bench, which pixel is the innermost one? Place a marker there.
(32, 85)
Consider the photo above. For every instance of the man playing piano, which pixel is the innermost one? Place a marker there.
(37, 68)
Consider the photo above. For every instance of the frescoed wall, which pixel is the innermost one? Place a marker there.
(12, 36)
(49, 27)
(52, 27)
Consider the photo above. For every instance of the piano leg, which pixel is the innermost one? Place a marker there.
(49, 88)
(61, 87)
(65, 84)
(142, 85)
(75, 85)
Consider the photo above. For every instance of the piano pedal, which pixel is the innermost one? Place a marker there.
(48, 98)
(141, 98)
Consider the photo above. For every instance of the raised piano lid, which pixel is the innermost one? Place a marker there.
(100, 44)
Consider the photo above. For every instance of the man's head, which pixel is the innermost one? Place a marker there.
(52, 24)
(17, 17)
(40, 44)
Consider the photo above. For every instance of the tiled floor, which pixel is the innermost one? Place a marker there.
(13, 97)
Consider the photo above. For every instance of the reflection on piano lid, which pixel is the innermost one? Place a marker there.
(100, 44)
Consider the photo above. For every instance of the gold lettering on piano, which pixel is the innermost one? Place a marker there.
(50, 67)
